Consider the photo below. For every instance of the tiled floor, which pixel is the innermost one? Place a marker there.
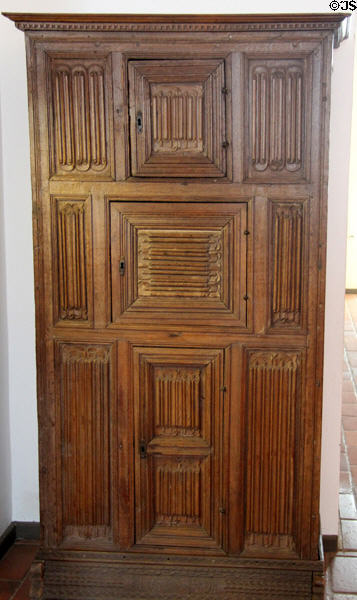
(341, 576)
(14, 571)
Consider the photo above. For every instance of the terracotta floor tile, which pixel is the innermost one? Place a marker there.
(17, 561)
(349, 397)
(352, 358)
(349, 423)
(349, 410)
(347, 506)
(347, 385)
(345, 482)
(7, 588)
(351, 438)
(354, 475)
(343, 462)
(344, 574)
(352, 455)
(351, 342)
(349, 536)
(24, 592)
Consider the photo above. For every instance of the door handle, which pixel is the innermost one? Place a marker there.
(143, 449)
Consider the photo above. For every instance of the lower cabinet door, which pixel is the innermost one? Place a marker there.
(179, 452)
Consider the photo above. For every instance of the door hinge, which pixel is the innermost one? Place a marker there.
(223, 388)
(225, 144)
(225, 91)
(122, 266)
(222, 510)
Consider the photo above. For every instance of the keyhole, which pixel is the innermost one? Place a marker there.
(139, 122)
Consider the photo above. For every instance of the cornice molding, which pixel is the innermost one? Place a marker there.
(182, 23)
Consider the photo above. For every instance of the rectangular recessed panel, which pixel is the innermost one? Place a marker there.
(177, 263)
(80, 136)
(273, 401)
(85, 433)
(72, 253)
(278, 92)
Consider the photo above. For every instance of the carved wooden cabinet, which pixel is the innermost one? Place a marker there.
(179, 183)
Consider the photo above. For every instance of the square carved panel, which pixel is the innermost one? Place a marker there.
(179, 264)
(177, 114)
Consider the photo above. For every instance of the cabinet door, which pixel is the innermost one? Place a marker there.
(179, 263)
(177, 111)
(179, 453)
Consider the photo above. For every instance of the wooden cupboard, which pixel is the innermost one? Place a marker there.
(179, 183)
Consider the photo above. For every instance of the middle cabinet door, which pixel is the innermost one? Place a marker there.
(179, 263)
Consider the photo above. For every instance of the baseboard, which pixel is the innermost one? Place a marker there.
(330, 543)
(7, 539)
(18, 530)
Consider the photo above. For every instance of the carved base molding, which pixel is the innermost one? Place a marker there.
(152, 578)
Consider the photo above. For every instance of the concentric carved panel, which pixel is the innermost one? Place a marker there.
(80, 137)
(178, 432)
(288, 232)
(72, 256)
(273, 400)
(278, 91)
(84, 382)
(177, 112)
(186, 263)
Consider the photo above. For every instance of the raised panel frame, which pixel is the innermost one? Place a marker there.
(228, 304)
(154, 92)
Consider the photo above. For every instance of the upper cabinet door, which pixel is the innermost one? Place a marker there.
(177, 118)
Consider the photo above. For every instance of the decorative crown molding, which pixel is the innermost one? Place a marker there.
(182, 23)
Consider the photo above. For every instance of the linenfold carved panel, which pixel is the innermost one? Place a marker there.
(288, 232)
(72, 251)
(178, 263)
(80, 137)
(277, 120)
(179, 422)
(177, 492)
(177, 401)
(177, 112)
(273, 400)
(166, 257)
(85, 384)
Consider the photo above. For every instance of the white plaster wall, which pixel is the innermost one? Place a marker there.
(18, 278)
(5, 454)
